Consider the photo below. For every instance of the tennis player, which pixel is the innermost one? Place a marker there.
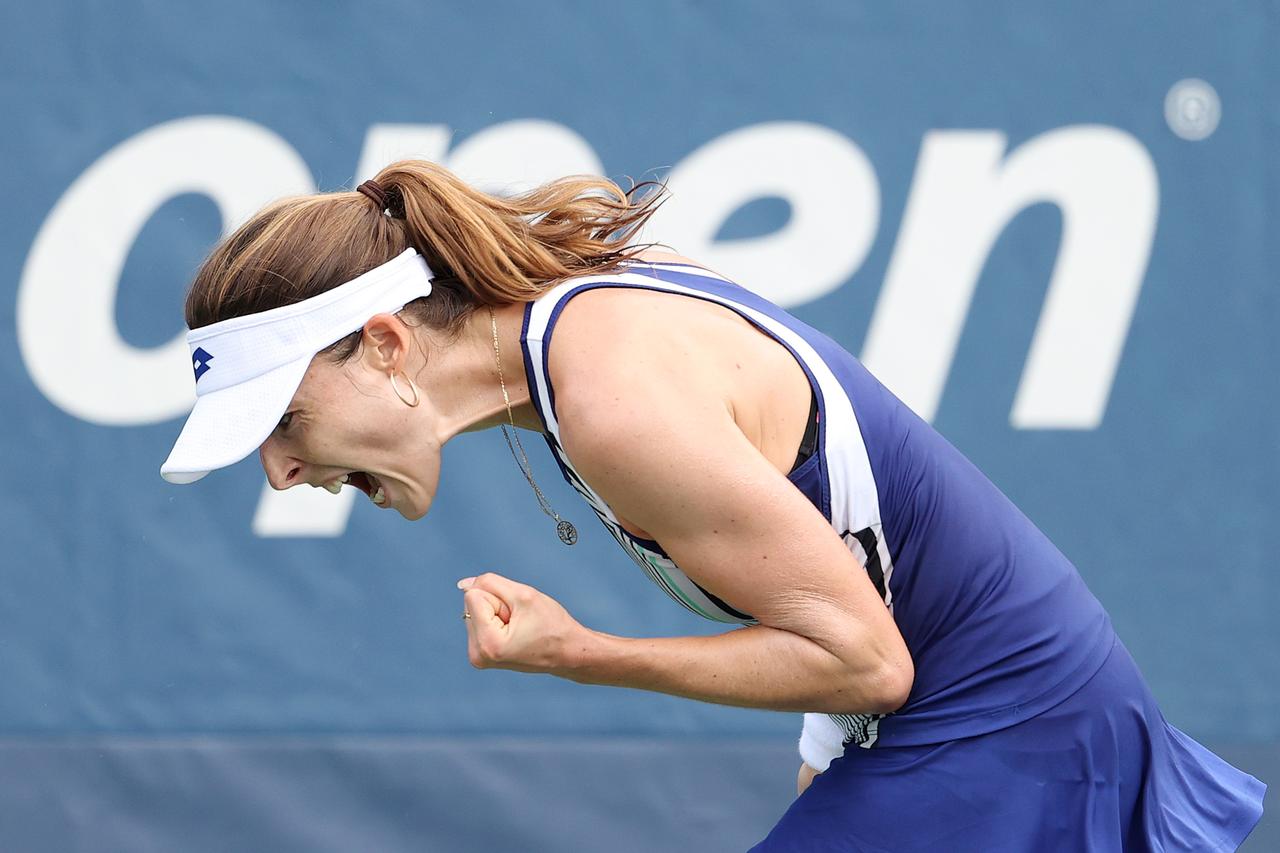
(962, 689)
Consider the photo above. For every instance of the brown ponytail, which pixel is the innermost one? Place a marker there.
(484, 250)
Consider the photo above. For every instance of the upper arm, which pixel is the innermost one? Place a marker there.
(654, 435)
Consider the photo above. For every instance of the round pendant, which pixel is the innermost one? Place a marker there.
(567, 532)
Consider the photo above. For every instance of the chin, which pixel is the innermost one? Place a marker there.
(414, 513)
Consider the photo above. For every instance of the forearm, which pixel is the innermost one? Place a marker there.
(753, 667)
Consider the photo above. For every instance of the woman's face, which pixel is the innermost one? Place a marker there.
(346, 428)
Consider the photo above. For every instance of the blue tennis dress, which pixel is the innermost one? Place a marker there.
(1029, 728)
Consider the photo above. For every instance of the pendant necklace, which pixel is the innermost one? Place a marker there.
(564, 529)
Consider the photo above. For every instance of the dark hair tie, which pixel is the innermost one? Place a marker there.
(374, 190)
(389, 200)
(395, 202)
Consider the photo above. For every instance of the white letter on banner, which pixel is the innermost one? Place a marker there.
(503, 159)
(825, 177)
(515, 156)
(73, 271)
(961, 199)
(386, 143)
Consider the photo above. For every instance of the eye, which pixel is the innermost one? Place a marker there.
(285, 420)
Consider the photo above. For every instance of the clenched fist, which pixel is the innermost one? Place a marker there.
(514, 626)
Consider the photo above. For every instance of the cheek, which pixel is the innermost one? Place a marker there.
(351, 423)
(319, 439)
(390, 432)
(344, 411)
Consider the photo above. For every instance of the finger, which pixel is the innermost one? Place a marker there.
(485, 629)
(508, 590)
(504, 611)
(485, 607)
(502, 608)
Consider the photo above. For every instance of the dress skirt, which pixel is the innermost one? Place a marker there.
(1100, 772)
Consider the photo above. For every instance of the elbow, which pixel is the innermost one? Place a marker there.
(891, 686)
(881, 688)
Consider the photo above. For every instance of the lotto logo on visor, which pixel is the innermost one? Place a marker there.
(200, 362)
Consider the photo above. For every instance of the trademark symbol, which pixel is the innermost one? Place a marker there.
(1192, 109)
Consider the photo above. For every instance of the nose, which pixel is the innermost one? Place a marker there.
(282, 470)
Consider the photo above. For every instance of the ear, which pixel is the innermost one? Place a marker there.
(386, 341)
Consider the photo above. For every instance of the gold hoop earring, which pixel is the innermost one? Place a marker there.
(394, 387)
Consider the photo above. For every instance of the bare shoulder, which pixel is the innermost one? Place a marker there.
(627, 363)
(639, 395)
(622, 357)
(629, 324)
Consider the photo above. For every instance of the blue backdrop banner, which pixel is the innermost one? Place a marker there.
(1048, 227)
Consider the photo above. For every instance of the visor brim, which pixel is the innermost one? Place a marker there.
(229, 424)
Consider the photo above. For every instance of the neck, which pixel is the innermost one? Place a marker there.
(462, 376)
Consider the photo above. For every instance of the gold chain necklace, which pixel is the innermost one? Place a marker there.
(564, 529)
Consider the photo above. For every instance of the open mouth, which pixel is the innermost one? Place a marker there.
(362, 480)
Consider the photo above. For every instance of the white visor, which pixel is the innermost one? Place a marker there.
(248, 368)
